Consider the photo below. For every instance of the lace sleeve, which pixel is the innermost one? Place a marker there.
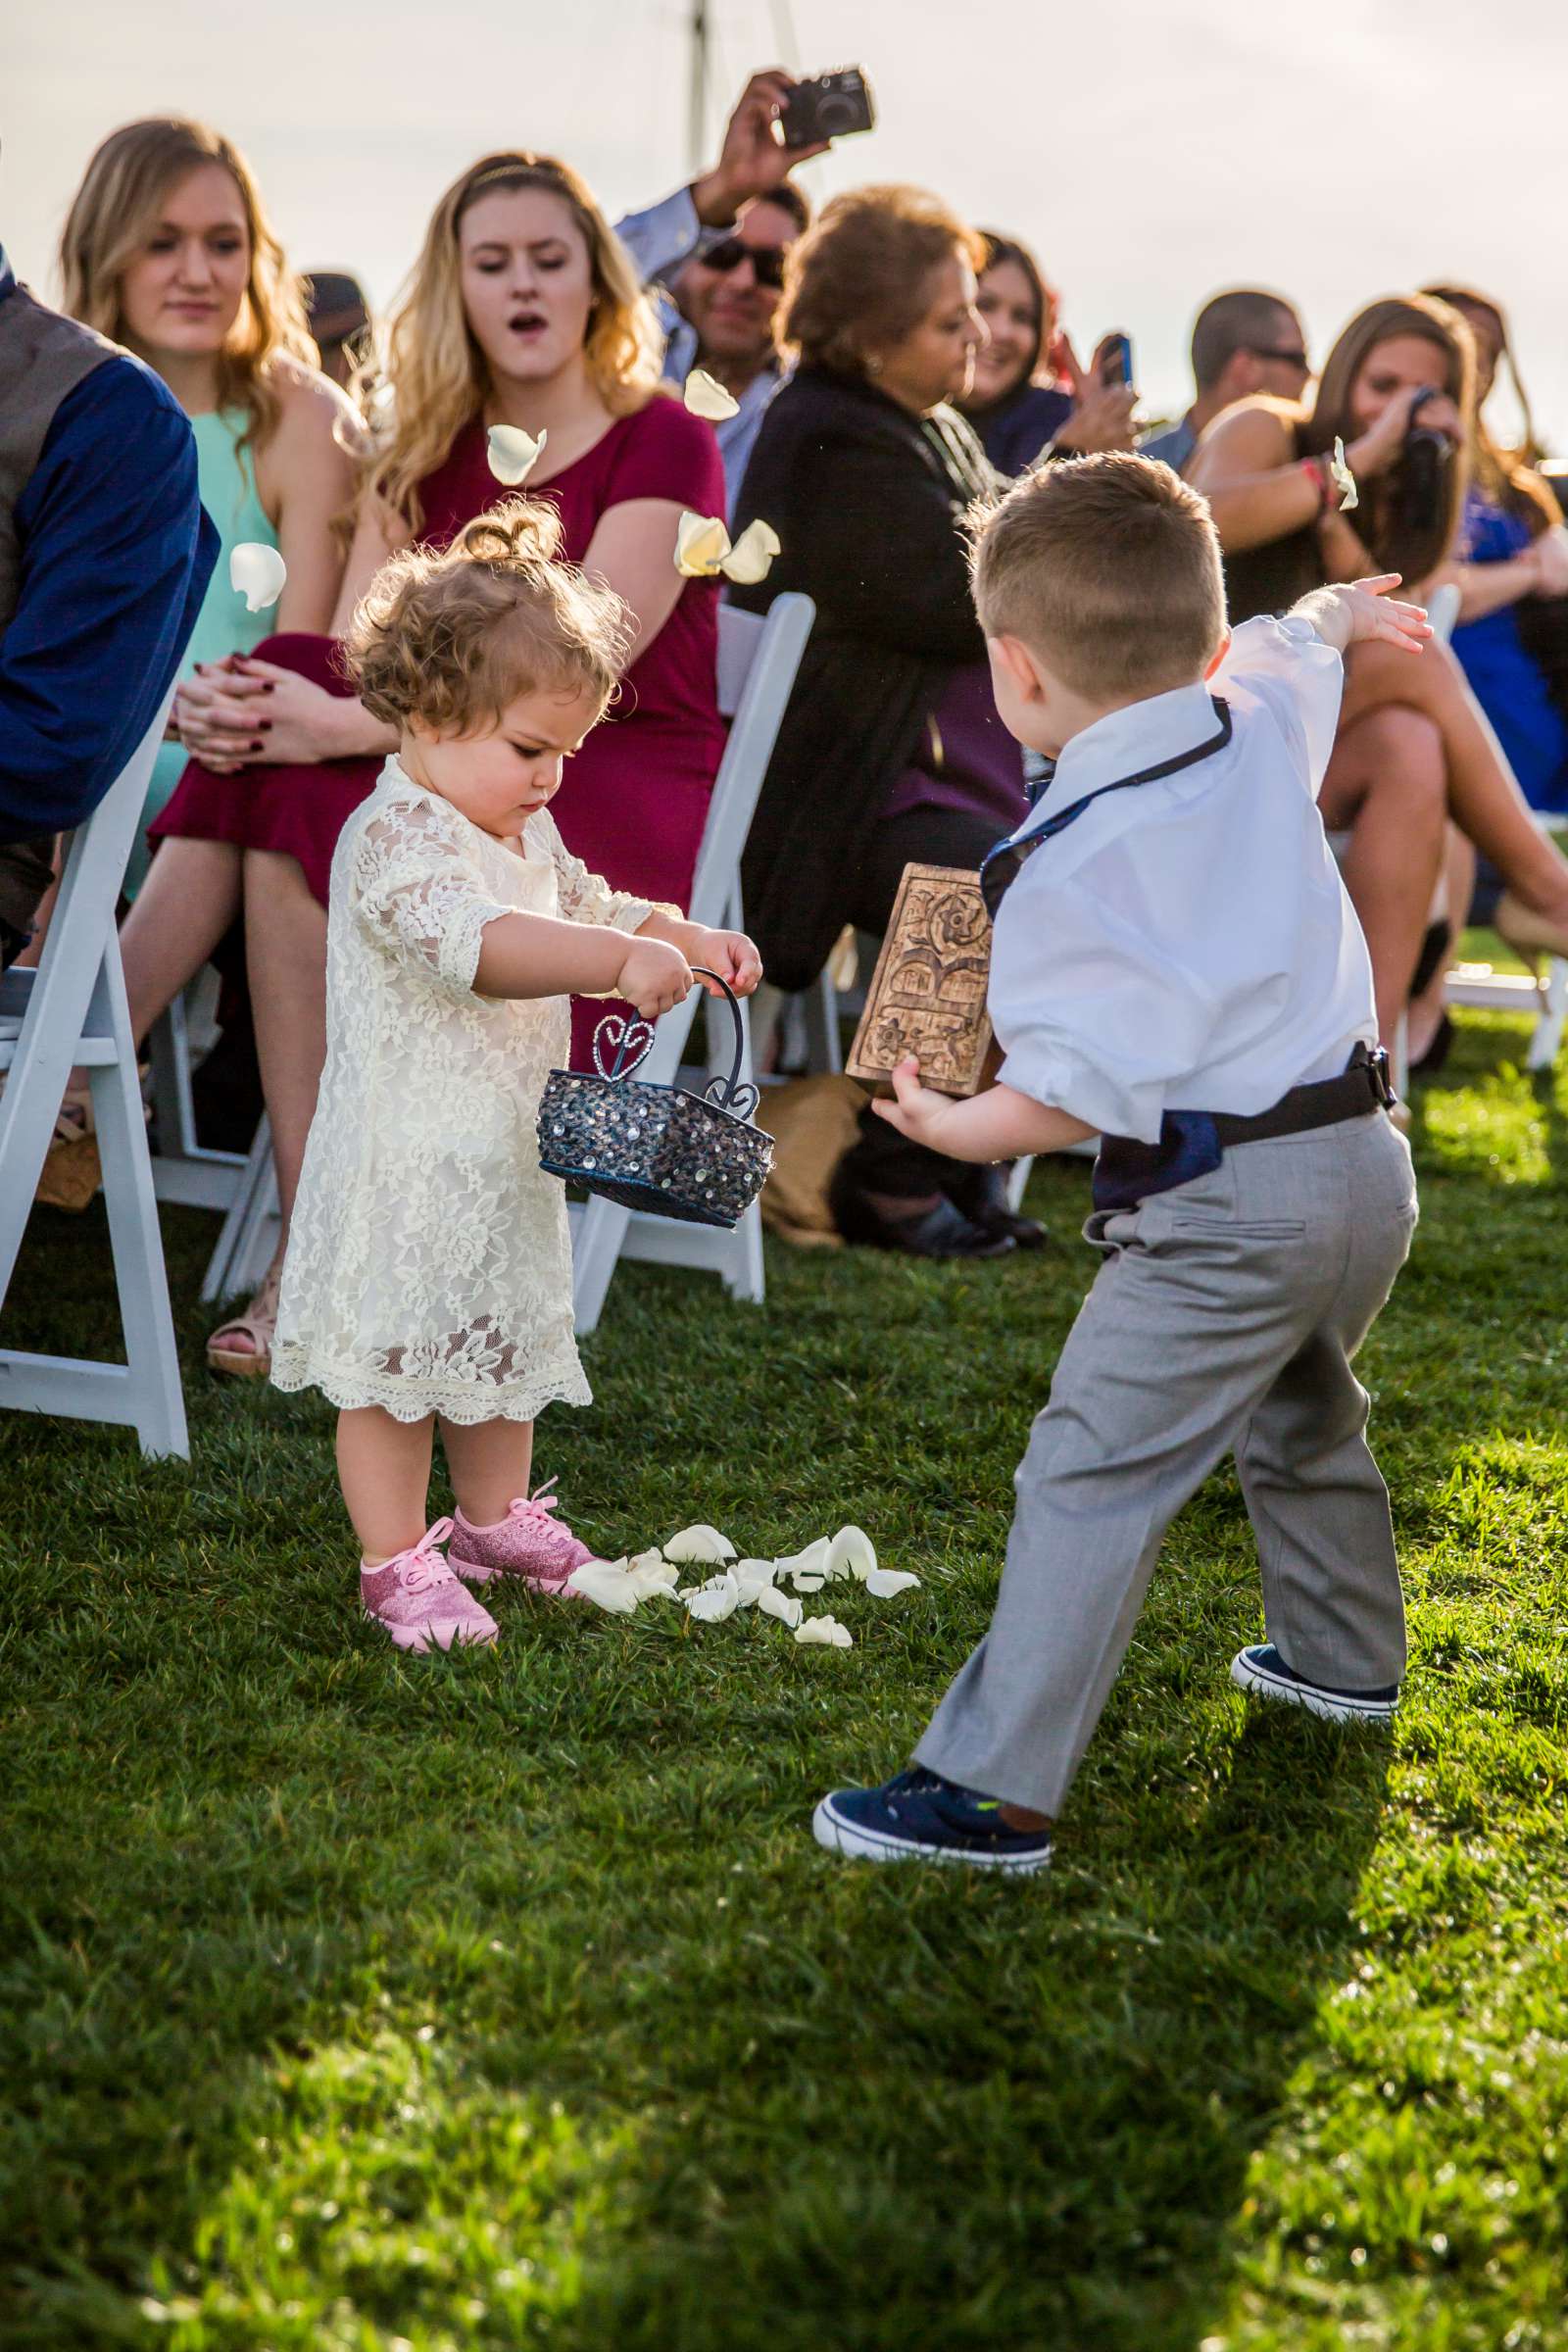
(416, 893)
(586, 897)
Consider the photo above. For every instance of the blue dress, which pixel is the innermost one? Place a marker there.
(1505, 678)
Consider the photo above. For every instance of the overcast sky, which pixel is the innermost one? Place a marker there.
(1152, 150)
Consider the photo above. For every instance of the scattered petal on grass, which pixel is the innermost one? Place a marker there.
(884, 1583)
(608, 1583)
(719, 1598)
(700, 1543)
(653, 1578)
(751, 558)
(513, 453)
(782, 1606)
(852, 1553)
(812, 1561)
(804, 1581)
(258, 573)
(706, 396)
(1343, 480)
(825, 1630)
(754, 1578)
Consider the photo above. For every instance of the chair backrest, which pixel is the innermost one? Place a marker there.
(757, 659)
(56, 997)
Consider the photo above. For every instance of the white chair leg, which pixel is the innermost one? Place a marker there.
(598, 1231)
(1546, 1043)
(151, 1353)
(248, 1209)
(744, 1276)
(1018, 1185)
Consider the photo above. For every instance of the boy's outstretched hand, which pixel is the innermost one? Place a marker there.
(1359, 610)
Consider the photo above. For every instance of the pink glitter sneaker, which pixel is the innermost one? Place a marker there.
(415, 1597)
(528, 1543)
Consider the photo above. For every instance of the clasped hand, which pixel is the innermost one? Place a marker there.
(656, 974)
(235, 712)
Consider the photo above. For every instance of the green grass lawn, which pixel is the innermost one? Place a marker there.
(502, 1999)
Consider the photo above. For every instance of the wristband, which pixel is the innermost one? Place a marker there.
(1317, 472)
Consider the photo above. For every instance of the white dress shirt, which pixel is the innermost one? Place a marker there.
(1188, 945)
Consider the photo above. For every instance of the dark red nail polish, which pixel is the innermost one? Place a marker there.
(265, 724)
(256, 745)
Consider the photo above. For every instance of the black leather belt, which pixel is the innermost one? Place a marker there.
(1192, 1143)
(1362, 1087)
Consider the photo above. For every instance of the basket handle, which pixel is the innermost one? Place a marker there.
(729, 1094)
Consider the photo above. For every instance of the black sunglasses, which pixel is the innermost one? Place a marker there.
(1287, 358)
(767, 260)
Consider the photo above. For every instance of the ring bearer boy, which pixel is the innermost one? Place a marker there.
(1175, 967)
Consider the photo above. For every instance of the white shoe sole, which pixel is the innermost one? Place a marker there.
(1247, 1675)
(841, 1836)
(422, 1639)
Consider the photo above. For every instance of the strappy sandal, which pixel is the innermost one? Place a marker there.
(258, 1324)
(71, 1172)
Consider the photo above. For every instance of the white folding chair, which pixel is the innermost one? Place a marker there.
(72, 1010)
(757, 659)
(183, 1168)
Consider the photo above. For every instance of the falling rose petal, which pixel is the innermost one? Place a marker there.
(701, 545)
(707, 398)
(751, 558)
(700, 1543)
(607, 1582)
(1343, 480)
(513, 453)
(719, 1598)
(257, 572)
(825, 1630)
(852, 1553)
(884, 1583)
(782, 1606)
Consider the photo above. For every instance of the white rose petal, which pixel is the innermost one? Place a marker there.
(1343, 480)
(804, 1581)
(719, 1598)
(257, 572)
(701, 545)
(654, 1579)
(700, 1543)
(754, 1578)
(826, 1630)
(513, 453)
(812, 1561)
(852, 1553)
(607, 1582)
(783, 1606)
(751, 558)
(707, 398)
(884, 1583)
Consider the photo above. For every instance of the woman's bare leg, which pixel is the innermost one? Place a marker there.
(286, 950)
(1484, 799)
(1385, 785)
(489, 1462)
(188, 900)
(285, 955)
(1458, 889)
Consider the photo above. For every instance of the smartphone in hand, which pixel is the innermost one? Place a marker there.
(1116, 367)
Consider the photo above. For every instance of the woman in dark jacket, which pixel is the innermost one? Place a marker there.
(891, 750)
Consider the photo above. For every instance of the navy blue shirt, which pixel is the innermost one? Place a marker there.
(116, 555)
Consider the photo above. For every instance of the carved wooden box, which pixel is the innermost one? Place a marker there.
(928, 993)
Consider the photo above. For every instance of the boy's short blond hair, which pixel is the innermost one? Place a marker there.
(1108, 569)
(452, 638)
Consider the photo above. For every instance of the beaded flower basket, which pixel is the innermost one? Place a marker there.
(695, 1158)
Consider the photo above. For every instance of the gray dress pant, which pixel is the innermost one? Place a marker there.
(1224, 1321)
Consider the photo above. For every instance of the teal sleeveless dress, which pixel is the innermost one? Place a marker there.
(227, 482)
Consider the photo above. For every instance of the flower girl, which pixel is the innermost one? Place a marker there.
(428, 1275)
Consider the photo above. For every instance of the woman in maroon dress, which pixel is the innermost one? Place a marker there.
(524, 311)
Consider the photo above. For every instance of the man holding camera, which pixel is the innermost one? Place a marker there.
(713, 254)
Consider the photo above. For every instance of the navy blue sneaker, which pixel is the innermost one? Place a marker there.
(1264, 1672)
(919, 1817)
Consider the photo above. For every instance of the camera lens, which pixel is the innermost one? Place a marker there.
(835, 116)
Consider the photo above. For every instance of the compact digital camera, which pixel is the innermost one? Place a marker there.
(1423, 477)
(830, 106)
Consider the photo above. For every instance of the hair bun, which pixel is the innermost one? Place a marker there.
(520, 530)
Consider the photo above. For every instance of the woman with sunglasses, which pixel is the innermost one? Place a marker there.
(522, 310)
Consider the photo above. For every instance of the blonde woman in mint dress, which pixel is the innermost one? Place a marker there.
(166, 249)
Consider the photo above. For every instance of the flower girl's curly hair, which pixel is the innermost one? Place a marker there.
(452, 638)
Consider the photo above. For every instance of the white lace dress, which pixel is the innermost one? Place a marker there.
(429, 1263)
